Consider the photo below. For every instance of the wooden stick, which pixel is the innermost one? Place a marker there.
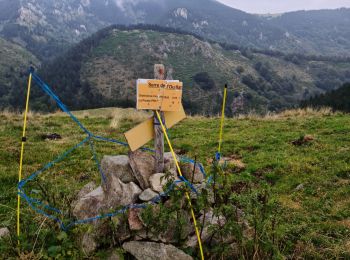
(159, 73)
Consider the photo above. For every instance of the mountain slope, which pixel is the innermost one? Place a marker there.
(14, 62)
(323, 31)
(48, 27)
(101, 71)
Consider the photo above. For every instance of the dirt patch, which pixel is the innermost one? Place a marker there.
(233, 162)
(239, 187)
(53, 136)
(345, 223)
(347, 246)
(265, 174)
(303, 140)
(260, 173)
(250, 148)
(289, 203)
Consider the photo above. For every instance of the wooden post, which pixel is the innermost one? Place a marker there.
(159, 73)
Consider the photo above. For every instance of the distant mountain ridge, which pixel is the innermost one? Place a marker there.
(46, 27)
(279, 59)
(101, 71)
(325, 32)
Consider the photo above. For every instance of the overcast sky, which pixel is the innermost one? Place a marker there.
(279, 6)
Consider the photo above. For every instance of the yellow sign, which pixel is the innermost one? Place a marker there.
(162, 95)
(144, 132)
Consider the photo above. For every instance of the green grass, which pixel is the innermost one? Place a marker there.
(314, 220)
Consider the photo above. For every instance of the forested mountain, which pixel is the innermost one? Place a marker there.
(101, 71)
(14, 64)
(337, 99)
(46, 27)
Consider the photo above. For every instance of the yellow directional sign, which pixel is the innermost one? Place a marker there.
(161, 95)
(144, 132)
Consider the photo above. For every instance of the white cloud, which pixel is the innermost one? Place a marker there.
(125, 4)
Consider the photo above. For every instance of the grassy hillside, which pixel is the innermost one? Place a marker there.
(14, 64)
(102, 70)
(309, 183)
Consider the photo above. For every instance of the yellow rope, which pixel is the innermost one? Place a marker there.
(222, 118)
(187, 195)
(22, 152)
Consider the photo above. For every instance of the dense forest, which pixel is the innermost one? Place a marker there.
(338, 99)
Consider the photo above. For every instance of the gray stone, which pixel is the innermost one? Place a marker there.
(191, 173)
(88, 244)
(208, 220)
(86, 190)
(83, 192)
(169, 162)
(154, 251)
(299, 187)
(142, 165)
(157, 182)
(199, 188)
(148, 195)
(116, 167)
(115, 256)
(122, 194)
(4, 232)
(90, 205)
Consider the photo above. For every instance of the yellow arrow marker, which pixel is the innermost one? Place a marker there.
(144, 132)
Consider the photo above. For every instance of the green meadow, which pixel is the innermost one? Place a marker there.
(310, 182)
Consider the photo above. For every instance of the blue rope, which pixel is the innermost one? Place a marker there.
(65, 154)
(217, 156)
(48, 91)
(188, 184)
(110, 140)
(23, 195)
(50, 164)
(92, 148)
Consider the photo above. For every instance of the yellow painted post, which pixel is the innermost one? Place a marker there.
(222, 120)
(187, 195)
(22, 152)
